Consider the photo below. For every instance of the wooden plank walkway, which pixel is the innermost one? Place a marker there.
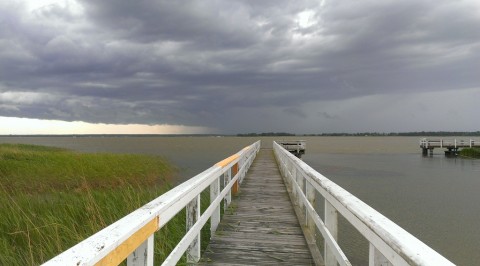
(261, 227)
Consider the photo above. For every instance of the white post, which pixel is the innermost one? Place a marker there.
(143, 255)
(455, 143)
(376, 258)
(227, 177)
(215, 218)
(283, 170)
(301, 182)
(470, 143)
(331, 222)
(293, 177)
(193, 215)
(310, 194)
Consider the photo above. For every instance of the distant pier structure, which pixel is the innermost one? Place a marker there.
(296, 147)
(452, 146)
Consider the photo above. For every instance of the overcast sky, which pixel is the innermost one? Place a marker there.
(242, 66)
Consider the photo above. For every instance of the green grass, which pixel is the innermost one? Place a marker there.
(471, 152)
(51, 199)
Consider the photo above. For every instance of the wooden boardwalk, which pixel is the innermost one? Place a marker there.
(260, 227)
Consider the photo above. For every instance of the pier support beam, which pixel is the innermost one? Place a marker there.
(424, 151)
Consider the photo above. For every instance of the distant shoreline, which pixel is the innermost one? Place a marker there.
(274, 134)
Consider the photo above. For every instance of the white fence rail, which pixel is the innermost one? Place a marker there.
(389, 243)
(132, 236)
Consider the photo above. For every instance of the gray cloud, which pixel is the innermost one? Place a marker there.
(201, 64)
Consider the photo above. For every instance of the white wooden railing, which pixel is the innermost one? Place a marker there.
(389, 243)
(132, 236)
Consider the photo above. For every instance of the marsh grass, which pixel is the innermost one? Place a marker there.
(51, 199)
(470, 152)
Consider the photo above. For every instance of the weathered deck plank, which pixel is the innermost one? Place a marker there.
(261, 227)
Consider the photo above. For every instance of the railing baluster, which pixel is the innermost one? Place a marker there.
(376, 258)
(143, 255)
(331, 222)
(193, 214)
(214, 192)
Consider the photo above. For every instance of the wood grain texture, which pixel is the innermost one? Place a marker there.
(260, 227)
(126, 248)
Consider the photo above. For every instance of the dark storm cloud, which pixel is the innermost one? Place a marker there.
(203, 63)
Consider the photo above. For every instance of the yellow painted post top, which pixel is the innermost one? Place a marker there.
(228, 160)
(121, 252)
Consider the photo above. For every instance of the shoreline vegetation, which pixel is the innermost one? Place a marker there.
(470, 153)
(52, 198)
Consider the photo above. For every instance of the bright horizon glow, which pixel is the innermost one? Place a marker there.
(28, 126)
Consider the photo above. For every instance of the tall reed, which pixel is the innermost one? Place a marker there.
(51, 199)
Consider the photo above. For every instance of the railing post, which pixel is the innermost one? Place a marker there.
(376, 258)
(227, 177)
(310, 194)
(301, 182)
(143, 255)
(193, 215)
(293, 177)
(331, 222)
(235, 187)
(215, 218)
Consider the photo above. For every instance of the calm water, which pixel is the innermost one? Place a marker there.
(435, 198)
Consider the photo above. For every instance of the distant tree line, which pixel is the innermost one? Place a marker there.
(267, 134)
(418, 133)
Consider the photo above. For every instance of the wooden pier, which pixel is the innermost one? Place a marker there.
(260, 227)
(451, 146)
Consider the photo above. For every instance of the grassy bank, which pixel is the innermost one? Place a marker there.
(470, 152)
(50, 199)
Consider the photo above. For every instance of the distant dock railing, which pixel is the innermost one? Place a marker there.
(389, 243)
(132, 236)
